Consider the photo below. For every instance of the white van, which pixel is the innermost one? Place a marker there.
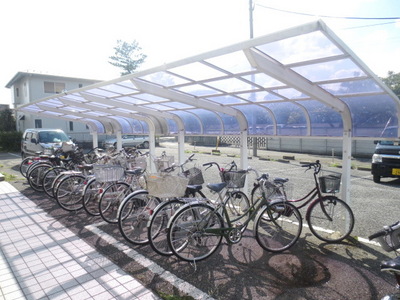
(42, 140)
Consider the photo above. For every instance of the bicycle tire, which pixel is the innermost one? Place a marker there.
(187, 237)
(237, 205)
(280, 229)
(69, 192)
(49, 177)
(35, 176)
(158, 224)
(91, 196)
(110, 199)
(24, 165)
(342, 219)
(134, 214)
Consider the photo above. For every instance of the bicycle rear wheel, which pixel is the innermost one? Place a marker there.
(91, 196)
(69, 192)
(278, 226)
(36, 175)
(25, 164)
(194, 232)
(157, 226)
(134, 213)
(110, 200)
(330, 219)
(237, 205)
(49, 177)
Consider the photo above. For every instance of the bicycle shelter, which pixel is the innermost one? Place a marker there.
(302, 82)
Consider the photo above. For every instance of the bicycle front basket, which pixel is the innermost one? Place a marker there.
(166, 185)
(330, 183)
(107, 173)
(195, 176)
(234, 179)
(163, 162)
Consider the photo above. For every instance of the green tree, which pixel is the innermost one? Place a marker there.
(127, 56)
(7, 120)
(393, 82)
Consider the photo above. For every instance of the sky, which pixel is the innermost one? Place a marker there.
(76, 37)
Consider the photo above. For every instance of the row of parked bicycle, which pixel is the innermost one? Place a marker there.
(169, 210)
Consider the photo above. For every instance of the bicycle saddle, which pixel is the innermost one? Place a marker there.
(216, 187)
(194, 187)
(279, 180)
(137, 171)
(392, 265)
(85, 167)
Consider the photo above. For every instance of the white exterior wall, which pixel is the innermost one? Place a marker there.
(31, 88)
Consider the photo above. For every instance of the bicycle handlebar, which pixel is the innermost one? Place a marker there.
(316, 166)
(386, 230)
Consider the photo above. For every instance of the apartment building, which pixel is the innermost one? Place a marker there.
(28, 87)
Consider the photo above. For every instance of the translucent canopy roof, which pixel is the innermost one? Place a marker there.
(303, 81)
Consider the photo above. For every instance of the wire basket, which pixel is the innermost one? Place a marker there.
(166, 185)
(391, 241)
(234, 179)
(137, 162)
(163, 162)
(107, 173)
(195, 175)
(330, 182)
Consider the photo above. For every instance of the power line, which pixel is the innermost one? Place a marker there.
(324, 16)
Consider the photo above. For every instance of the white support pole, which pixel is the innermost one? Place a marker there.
(152, 149)
(119, 140)
(181, 146)
(95, 139)
(346, 168)
(243, 156)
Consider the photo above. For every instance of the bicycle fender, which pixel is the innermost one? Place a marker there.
(258, 215)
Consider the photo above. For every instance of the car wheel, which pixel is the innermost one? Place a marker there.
(145, 145)
(376, 178)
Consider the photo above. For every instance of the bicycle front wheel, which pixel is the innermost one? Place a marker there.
(330, 219)
(195, 232)
(157, 226)
(134, 215)
(237, 205)
(278, 226)
(110, 200)
(69, 192)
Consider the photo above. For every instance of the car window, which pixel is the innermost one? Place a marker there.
(52, 137)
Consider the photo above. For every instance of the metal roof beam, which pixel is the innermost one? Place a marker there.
(135, 108)
(278, 71)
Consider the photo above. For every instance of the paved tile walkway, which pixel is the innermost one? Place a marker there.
(42, 259)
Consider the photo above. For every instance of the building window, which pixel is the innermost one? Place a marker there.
(17, 91)
(53, 87)
(38, 123)
(80, 85)
(71, 126)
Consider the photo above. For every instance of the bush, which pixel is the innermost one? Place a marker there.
(10, 141)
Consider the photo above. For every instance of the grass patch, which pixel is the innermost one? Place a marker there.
(174, 297)
(9, 177)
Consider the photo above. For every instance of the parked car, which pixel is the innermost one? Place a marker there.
(386, 160)
(42, 140)
(129, 140)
